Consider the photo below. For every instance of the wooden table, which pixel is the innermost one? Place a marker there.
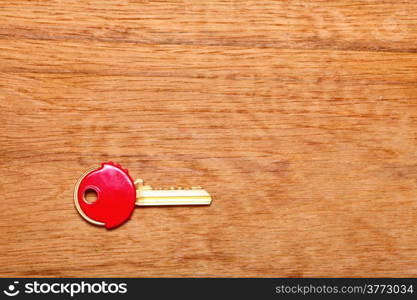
(300, 118)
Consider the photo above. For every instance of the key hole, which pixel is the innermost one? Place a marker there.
(90, 196)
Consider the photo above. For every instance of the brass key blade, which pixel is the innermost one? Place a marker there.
(147, 196)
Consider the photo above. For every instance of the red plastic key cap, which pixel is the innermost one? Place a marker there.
(116, 195)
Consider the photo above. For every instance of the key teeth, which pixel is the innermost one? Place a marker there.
(139, 183)
(174, 188)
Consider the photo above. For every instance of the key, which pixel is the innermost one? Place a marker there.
(117, 195)
(147, 196)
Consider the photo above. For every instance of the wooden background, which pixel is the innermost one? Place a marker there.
(299, 117)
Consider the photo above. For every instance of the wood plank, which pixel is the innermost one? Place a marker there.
(299, 117)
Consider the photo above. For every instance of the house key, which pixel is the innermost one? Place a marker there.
(117, 195)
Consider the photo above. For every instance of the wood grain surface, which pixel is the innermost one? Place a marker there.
(299, 117)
